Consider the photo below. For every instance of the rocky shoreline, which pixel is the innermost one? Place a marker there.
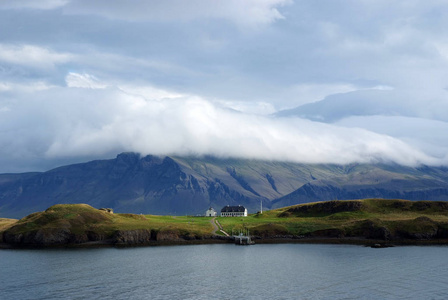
(143, 237)
(375, 223)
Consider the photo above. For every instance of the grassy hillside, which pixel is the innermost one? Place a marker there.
(389, 220)
(85, 223)
(6, 223)
(347, 218)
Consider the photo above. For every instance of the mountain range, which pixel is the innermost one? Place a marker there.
(133, 183)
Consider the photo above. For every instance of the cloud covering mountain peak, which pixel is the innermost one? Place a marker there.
(89, 79)
(80, 121)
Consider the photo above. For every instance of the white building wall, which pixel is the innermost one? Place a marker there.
(210, 213)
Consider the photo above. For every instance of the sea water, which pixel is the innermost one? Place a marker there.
(282, 271)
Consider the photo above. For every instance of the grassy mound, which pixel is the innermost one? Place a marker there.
(367, 206)
(76, 217)
(80, 223)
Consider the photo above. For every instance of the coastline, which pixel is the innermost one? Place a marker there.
(358, 241)
(371, 222)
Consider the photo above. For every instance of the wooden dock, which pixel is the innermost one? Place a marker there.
(243, 240)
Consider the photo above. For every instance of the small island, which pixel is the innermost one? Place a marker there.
(371, 222)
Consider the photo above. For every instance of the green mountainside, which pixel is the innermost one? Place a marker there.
(189, 185)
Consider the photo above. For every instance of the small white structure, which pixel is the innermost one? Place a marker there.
(234, 211)
(210, 212)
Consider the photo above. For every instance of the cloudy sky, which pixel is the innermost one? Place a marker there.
(320, 81)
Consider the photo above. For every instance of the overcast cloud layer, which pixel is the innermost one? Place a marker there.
(309, 81)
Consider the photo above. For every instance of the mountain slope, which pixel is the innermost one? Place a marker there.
(374, 181)
(157, 185)
(179, 186)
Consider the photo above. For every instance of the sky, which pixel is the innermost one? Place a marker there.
(311, 81)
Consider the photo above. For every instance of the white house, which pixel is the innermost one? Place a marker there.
(234, 211)
(210, 212)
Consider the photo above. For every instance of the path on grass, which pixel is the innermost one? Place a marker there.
(217, 226)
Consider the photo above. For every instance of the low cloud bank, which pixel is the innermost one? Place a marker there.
(95, 119)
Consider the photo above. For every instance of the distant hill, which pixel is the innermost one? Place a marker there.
(178, 186)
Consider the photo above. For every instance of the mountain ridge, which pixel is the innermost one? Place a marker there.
(189, 185)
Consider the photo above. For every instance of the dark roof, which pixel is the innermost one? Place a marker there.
(228, 208)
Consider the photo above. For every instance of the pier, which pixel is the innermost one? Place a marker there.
(243, 239)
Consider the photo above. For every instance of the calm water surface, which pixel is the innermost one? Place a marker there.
(226, 272)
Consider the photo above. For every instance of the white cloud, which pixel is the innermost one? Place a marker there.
(88, 81)
(160, 76)
(80, 122)
(259, 108)
(423, 134)
(33, 4)
(29, 86)
(83, 81)
(32, 56)
(311, 92)
(4, 86)
(148, 92)
(442, 48)
(243, 12)
(195, 126)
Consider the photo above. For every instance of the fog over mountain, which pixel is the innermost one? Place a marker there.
(302, 81)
